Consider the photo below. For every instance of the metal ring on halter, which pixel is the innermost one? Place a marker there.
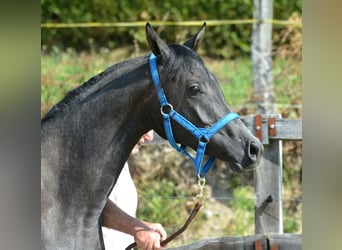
(166, 112)
(204, 139)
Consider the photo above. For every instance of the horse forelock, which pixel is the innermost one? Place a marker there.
(182, 61)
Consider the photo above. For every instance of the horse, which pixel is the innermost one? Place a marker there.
(87, 137)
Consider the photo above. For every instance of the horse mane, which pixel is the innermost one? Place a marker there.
(92, 85)
(99, 81)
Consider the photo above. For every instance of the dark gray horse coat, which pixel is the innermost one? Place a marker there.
(87, 137)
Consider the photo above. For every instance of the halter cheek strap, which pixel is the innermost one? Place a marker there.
(202, 134)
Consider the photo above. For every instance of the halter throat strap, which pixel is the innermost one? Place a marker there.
(202, 134)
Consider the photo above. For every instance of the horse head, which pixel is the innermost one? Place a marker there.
(194, 92)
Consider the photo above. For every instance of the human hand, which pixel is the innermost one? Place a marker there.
(149, 239)
(157, 227)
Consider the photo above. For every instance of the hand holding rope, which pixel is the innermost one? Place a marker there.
(199, 203)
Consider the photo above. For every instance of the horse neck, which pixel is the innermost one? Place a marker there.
(113, 103)
(95, 128)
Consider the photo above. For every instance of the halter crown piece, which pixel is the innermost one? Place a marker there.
(202, 134)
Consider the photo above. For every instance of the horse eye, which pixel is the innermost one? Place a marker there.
(194, 89)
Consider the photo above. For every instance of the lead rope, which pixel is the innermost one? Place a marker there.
(199, 203)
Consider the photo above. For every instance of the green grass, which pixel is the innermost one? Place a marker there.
(242, 206)
(64, 71)
(235, 78)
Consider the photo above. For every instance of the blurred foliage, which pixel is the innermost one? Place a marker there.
(217, 37)
(242, 222)
(159, 203)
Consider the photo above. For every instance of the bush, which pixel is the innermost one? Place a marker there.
(127, 10)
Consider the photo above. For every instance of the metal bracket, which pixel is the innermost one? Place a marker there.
(264, 127)
(258, 126)
(274, 247)
(272, 130)
(258, 245)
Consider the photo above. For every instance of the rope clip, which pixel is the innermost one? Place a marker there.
(201, 184)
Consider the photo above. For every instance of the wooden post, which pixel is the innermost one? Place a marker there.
(268, 177)
(261, 56)
(268, 190)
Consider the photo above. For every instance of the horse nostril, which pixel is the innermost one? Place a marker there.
(253, 151)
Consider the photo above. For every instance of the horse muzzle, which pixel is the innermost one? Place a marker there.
(251, 159)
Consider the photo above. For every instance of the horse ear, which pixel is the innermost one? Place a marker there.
(195, 41)
(157, 45)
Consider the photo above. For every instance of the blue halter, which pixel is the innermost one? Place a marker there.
(202, 134)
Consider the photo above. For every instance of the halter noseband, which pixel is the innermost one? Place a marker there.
(202, 134)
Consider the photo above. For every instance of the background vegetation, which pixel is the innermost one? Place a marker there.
(72, 56)
(225, 41)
